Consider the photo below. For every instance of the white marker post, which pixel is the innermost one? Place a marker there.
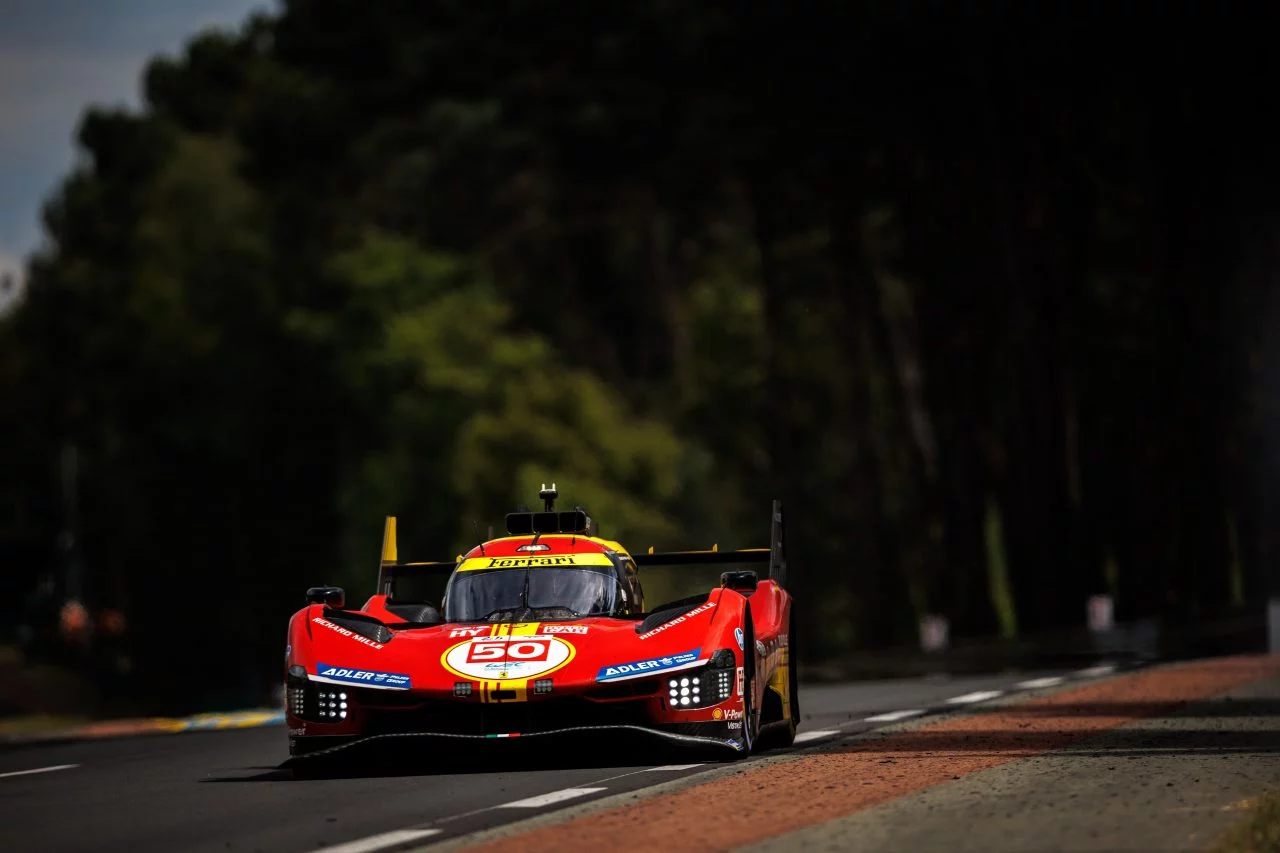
(1101, 619)
(934, 633)
(1101, 613)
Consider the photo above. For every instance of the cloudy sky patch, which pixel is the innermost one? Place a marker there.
(57, 57)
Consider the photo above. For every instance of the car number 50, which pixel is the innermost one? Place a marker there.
(521, 650)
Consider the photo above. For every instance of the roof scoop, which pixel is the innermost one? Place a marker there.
(574, 521)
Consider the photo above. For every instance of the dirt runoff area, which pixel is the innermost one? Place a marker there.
(1164, 759)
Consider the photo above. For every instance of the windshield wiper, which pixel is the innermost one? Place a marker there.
(524, 590)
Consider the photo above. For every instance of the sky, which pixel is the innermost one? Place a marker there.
(58, 57)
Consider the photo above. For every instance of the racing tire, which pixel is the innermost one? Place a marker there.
(793, 675)
(780, 731)
(750, 714)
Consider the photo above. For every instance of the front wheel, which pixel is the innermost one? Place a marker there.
(780, 710)
(750, 714)
(793, 675)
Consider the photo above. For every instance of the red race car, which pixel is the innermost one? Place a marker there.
(545, 633)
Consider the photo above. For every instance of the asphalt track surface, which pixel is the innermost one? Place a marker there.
(225, 791)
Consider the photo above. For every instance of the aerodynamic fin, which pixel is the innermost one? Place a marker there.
(390, 569)
(777, 549)
(389, 552)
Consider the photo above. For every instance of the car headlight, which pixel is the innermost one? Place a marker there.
(315, 701)
(331, 704)
(702, 688)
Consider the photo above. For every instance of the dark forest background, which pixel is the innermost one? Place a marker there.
(983, 291)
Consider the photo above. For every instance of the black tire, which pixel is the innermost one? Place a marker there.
(779, 731)
(750, 713)
(793, 673)
(784, 736)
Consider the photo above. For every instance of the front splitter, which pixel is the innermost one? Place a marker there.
(726, 749)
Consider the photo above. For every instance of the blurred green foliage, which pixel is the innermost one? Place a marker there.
(1257, 833)
(418, 258)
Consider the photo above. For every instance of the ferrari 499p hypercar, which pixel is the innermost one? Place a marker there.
(545, 633)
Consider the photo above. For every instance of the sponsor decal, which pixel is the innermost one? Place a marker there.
(514, 629)
(717, 714)
(519, 656)
(640, 668)
(346, 633)
(564, 629)
(732, 726)
(737, 635)
(513, 669)
(301, 730)
(548, 561)
(733, 743)
(742, 680)
(701, 608)
(531, 547)
(732, 714)
(365, 677)
(469, 632)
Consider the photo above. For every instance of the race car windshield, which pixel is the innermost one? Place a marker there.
(504, 595)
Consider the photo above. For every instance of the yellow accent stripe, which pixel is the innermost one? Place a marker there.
(780, 683)
(488, 688)
(551, 561)
(514, 629)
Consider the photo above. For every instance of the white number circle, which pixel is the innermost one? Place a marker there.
(495, 658)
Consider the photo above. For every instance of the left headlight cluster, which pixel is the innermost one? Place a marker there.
(705, 687)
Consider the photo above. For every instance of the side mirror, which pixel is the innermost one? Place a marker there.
(330, 596)
(743, 582)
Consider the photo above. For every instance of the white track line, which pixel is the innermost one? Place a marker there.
(893, 716)
(551, 798)
(805, 737)
(1037, 683)
(39, 770)
(976, 696)
(1094, 671)
(671, 767)
(378, 842)
(594, 782)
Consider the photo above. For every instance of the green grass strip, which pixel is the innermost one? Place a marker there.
(1259, 833)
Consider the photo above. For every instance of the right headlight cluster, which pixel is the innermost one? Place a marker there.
(702, 688)
(315, 701)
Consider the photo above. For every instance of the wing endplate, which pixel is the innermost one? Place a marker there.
(775, 555)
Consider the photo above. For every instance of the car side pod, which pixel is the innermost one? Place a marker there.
(744, 582)
(330, 596)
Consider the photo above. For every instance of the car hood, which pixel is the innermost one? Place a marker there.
(581, 653)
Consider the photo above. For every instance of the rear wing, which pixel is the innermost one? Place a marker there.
(391, 568)
(775, 555)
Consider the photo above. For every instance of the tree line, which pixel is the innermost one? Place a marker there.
(981, 292)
